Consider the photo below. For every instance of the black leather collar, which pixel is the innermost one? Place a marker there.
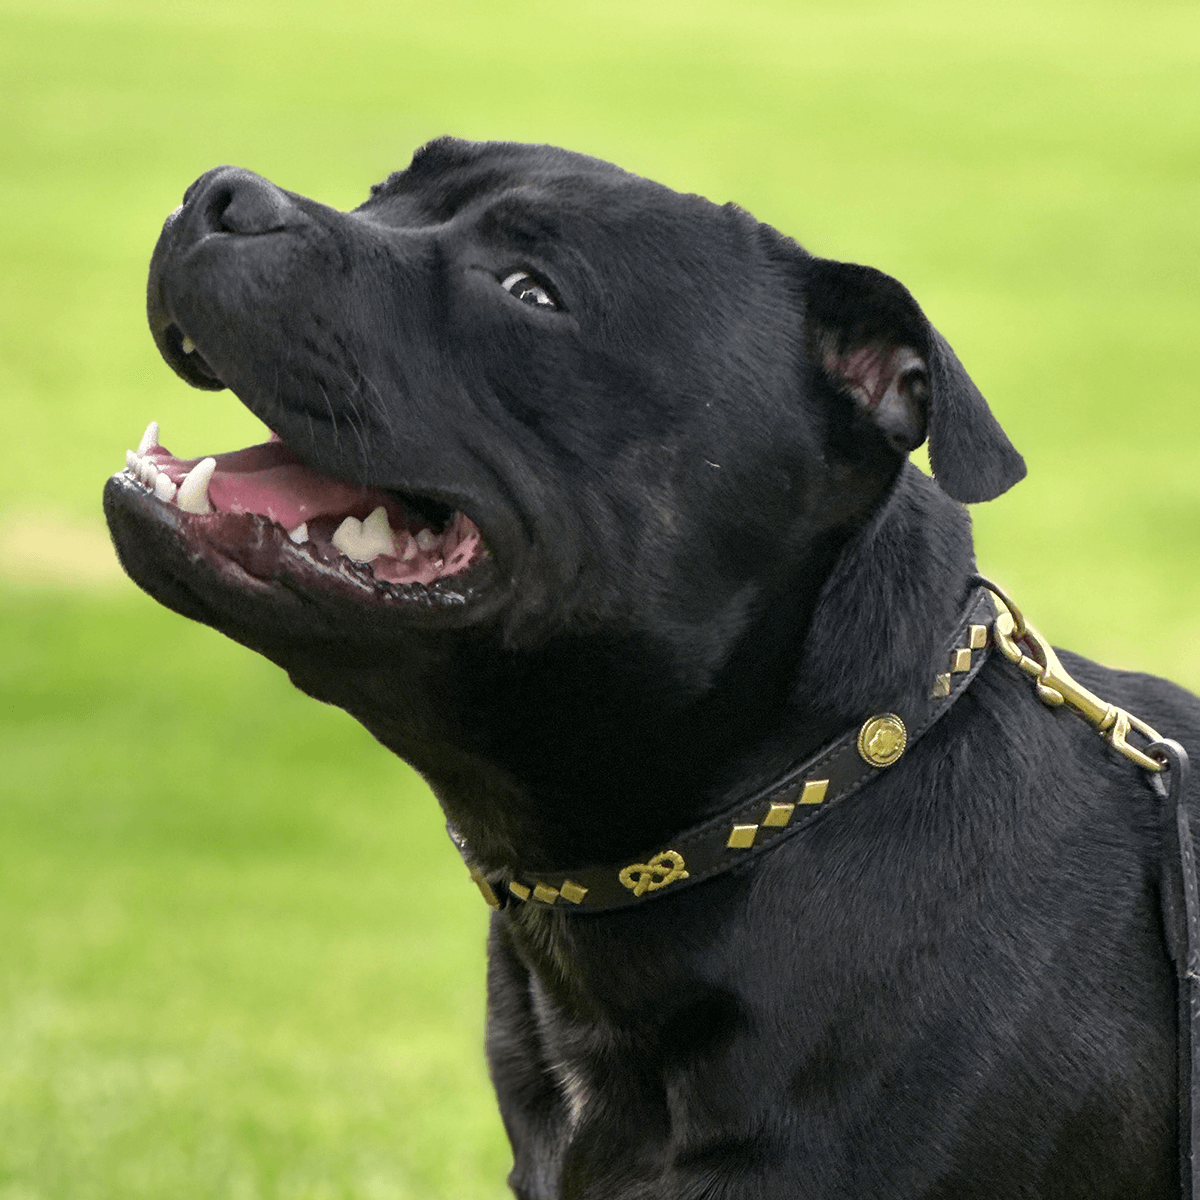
(759, 823)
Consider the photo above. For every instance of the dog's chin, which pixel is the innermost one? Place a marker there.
(206, 536)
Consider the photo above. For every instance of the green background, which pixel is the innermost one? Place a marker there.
(239, 958)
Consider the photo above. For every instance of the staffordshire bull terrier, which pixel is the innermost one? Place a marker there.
(591, 501)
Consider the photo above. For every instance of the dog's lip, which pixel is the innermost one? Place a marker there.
(170, 338)
(260, 512)
(163, 552)
(183, 356)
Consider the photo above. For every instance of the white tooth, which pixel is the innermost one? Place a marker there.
(131, 461)
(149, 438)
(188, 345)
(347, 536)
(193, 491)
(299, 535)
(363, 541)
(410, 548)
(426, 540)
(164, 489)
(146, 470)
(376, 527)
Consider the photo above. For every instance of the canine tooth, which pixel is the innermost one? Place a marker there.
(188, 345)
(149, 438)
(299, 535)
(164, 489)
(364, 541)
(425, 539)
(193, 491)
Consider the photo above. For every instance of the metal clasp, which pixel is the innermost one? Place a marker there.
(1022, 645)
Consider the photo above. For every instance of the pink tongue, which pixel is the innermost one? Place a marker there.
(271, 480)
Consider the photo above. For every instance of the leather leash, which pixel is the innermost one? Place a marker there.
(1181, 919)
(1164, 763)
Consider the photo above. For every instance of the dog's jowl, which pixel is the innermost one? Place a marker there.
(591, 500)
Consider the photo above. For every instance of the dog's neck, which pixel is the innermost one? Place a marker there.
(873, 626)
(881, 620)
(887, 605)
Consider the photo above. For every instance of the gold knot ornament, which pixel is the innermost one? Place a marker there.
(662, 869)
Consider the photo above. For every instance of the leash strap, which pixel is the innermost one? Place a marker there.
(1181, 919)
(759, 823)
(1165, 766)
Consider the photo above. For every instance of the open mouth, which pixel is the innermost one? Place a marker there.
(262, 510)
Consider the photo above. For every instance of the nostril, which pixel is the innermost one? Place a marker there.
(230, 200)
(216, 204)
(256, 206)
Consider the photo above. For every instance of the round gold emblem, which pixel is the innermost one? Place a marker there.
(882, 739)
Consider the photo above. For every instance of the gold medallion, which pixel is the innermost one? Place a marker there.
(882, 739)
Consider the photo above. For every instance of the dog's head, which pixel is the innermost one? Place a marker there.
(556, 448)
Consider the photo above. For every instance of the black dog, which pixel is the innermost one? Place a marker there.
(591, 501)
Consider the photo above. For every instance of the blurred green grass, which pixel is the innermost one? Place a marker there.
(240, 958)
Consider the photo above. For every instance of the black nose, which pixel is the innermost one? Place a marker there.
(233, 200)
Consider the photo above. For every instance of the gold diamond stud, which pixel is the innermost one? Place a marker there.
(941, 687)
(779, 814)
(572, 892)
(742, 837)
(814, 791)
(485, 888)
(960, 660)
(977, 637)
(882, 739)
(519, 890)
(547, 895)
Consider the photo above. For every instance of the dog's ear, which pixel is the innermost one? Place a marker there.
(869, 336)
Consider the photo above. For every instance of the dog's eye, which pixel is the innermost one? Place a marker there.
(525, 288)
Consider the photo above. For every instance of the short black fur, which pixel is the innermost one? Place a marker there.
(710, 558)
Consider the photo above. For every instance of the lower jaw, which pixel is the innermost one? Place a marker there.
(254, 554)
(261, 518)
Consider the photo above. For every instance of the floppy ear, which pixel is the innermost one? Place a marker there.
(869, 336)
